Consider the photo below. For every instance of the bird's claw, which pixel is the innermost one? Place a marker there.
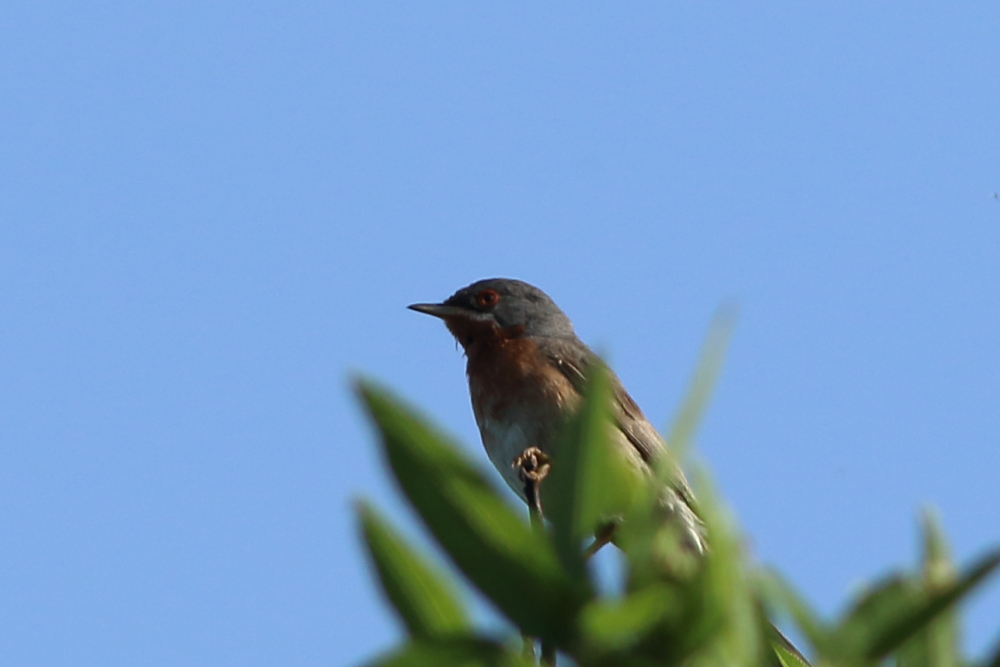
(532, 467)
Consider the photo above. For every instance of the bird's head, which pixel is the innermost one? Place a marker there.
(499, 307)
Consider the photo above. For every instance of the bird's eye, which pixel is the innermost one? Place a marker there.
(487, 298)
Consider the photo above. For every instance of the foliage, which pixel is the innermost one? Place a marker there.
(676, 608)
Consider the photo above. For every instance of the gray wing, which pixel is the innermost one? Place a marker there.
(574, 359)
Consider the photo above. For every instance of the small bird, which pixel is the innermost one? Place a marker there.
(527, 370)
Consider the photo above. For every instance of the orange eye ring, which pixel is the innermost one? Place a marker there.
(487, 298)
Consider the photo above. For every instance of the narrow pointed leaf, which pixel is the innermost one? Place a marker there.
(937, 567)
(780, 595)
(707, 371)
(878, 608)
(617, 625)
(421, 595)
(936, 645)
(891, 614)
(728, 611)
(787, 657)
(940, 601)
(513, 565)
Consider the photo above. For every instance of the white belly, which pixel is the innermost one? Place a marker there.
(504, 443)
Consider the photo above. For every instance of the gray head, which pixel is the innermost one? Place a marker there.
(509, 305)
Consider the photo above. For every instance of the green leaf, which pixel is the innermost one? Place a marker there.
(938, 569)
(513, 565)
(897, 609)
(728, 615)
(709, 614)
(706, 375)
(937, 645)
(617, 625)
(865, 624)
(421, 596)
(778, 594)
(456, 652)
(787, 657)
(590, 483)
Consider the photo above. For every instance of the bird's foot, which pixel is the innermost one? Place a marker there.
(532, 464)
(532, 467)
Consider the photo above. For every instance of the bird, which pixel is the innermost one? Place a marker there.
(527, 371)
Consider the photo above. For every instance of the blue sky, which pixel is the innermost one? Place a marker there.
(211, 214)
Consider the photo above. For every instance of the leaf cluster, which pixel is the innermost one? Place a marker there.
(675, 607)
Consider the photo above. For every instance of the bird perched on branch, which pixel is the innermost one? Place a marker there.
(527, 370)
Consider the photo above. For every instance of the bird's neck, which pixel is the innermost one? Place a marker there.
(479, 338)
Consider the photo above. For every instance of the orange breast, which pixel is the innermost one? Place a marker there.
(512, 379)
(519, 399)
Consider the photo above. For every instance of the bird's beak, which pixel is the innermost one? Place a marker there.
(439, 310)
